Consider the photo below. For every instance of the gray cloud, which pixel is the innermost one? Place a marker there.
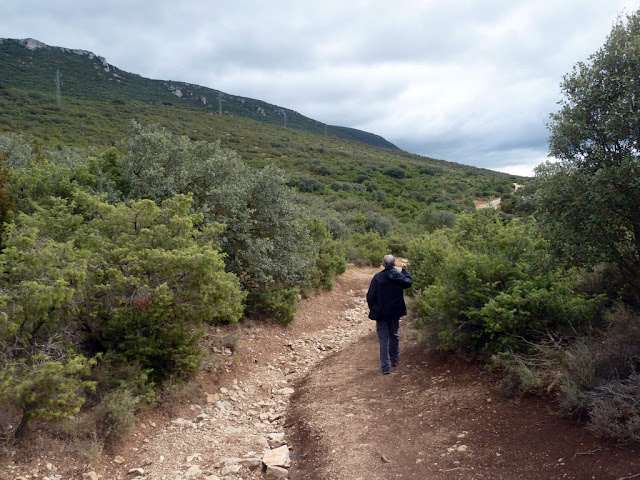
(466, 81)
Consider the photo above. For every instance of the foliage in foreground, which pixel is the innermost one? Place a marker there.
(593, 375)
(112, 264)
(85, 284)
(589, 200)
(588, 208)
(265, 239)
(488, 285)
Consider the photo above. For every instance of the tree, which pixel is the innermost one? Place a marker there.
(6, 199)
(488, 285)
(101, 296)
(266, 238)
(588, 201)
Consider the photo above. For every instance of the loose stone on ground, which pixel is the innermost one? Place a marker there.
(238, 431)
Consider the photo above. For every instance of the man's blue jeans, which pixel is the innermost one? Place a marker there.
(389, 340)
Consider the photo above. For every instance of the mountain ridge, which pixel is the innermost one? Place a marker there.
(117, 84)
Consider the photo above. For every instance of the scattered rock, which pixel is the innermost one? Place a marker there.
(278, 457)
(232, 430)
(228, 461)
(139, 471)
(275, 439)
(193, 471)
(384, 459)
(195, 456)
(201, 417)
(284, 391)
(90, 476)
(251, 463)
(229, 469)
(274, 472)
(118, 459)
(182, 422)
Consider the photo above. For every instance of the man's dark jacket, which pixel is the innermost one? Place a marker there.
(385, 297)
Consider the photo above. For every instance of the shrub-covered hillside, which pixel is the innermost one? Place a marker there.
(132, 219)
(131, 223)
(553, 300)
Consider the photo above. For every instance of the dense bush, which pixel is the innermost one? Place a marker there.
(7, 203)
(330, 256)
(433, 219)
(279, 305)
(82, 280)
(593, 375)
(587, 208)
(347, 186)
(98, 296)
(487, 285)
(395, 172)
(265, 239)
(367, 248)
(308, 184)
(589, 200)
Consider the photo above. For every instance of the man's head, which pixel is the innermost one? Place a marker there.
(389, 261)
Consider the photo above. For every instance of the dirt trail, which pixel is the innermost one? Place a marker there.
(435, 417)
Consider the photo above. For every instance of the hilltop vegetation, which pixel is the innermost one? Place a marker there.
(134, 218)
(30, 67)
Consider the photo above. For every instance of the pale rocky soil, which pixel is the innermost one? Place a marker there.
(313, 392)
(239, 410)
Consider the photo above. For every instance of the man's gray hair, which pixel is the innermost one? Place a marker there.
(389, 261)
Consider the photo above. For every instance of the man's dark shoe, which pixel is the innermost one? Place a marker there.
(386, 372)
(394, 364)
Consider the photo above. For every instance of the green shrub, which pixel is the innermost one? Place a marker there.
(346, 186)
(488, 286)
(594, 137)
(309, 184)
(378, 196)
(395, 172)
(44, 387)
(330, 257)
(380, 223)
(433, 219)
(366, 248)
(115, 414)
(7, 200)
(80, 277)
(264, 224)
(110, 420)
(278, 305)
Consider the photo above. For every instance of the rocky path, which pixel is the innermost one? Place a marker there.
(308, 402)
(233, 427)
(436, 417)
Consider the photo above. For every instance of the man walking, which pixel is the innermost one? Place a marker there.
(386, 305)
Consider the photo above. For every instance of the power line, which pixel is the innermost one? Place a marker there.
(220, 97)
(58, 85)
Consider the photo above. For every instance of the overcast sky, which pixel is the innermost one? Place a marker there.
(470, 81)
